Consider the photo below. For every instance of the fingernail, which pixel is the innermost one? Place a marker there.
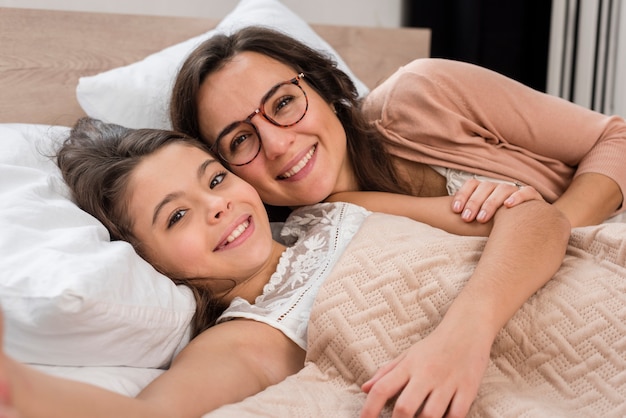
(456, 206)
(481, 215)
(509, 201)
(466, 214)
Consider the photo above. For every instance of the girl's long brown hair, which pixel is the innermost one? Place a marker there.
(96, 161)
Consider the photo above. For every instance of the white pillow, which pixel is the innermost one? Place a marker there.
(71, 297)
(137, 95)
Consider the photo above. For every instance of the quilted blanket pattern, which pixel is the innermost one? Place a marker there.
(563, 353)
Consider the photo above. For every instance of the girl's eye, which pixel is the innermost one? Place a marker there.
(217, 179)
(176, 216)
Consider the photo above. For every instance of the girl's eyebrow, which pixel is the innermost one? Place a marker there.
(168, 198)
(171, 196)
(203, 167)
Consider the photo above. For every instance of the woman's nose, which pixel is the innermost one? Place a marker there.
(275, 139)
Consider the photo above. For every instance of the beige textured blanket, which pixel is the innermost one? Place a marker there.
(562, 355)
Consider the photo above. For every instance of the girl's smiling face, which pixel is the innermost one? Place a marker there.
(300, 164)
(196, 220)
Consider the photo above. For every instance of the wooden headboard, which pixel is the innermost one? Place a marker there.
(43, 53)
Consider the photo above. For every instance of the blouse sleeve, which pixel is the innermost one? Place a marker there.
(434, 100)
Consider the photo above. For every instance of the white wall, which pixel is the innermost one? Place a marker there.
(385, 13)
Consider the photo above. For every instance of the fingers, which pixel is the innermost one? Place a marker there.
(415, 399)
(433, 404)
(386, 383)
(461, 403)
(415, 393)
(522, 194)
(365, 387)
(463, 195)
(435, 377)
(383, 390)
(479, 200)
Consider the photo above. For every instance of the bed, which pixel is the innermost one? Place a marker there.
(79, 306)
(72, 292)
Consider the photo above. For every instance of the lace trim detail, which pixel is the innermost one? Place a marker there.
(316, 237)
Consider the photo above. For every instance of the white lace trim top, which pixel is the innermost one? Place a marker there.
(456, 178)
(316, 236)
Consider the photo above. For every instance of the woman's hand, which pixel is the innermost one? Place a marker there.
(438, 376)
(479, 200)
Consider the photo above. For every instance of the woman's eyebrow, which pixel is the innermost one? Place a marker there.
(228, 129)
(171, 196)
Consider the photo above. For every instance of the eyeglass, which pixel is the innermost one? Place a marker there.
(283, 105)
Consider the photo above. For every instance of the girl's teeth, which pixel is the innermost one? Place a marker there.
(238, 231)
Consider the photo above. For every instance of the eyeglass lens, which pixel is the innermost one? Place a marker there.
(284, 105)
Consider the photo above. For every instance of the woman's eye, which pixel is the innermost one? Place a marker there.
(176, 216)
(237, 142)
(217, 179)
(282, 103)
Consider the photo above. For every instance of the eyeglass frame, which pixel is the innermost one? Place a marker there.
(260, 110)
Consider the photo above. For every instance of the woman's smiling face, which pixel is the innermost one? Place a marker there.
(297, 165)
(194, 219)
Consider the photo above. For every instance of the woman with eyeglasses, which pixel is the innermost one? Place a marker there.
(423, 132)
(431, 126)
(204, 227)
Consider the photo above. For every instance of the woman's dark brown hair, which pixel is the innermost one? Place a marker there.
(372, 164)
(96, 161)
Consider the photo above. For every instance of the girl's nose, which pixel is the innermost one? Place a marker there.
(217, 208)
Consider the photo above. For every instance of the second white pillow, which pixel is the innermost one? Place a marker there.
(137, 95)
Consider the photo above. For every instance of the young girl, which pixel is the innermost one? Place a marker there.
(207, 228)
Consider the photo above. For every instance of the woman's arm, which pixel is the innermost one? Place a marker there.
(479, 200)
(592, 144)
(590, 199)
(454, 114)
(443, 371)
(220, 366)
(435, 211)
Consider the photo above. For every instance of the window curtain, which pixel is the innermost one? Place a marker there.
(508, 36)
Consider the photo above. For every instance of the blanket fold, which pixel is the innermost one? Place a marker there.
(562, 354)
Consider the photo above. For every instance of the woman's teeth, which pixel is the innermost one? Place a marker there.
(296, 169)
(238, 231)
